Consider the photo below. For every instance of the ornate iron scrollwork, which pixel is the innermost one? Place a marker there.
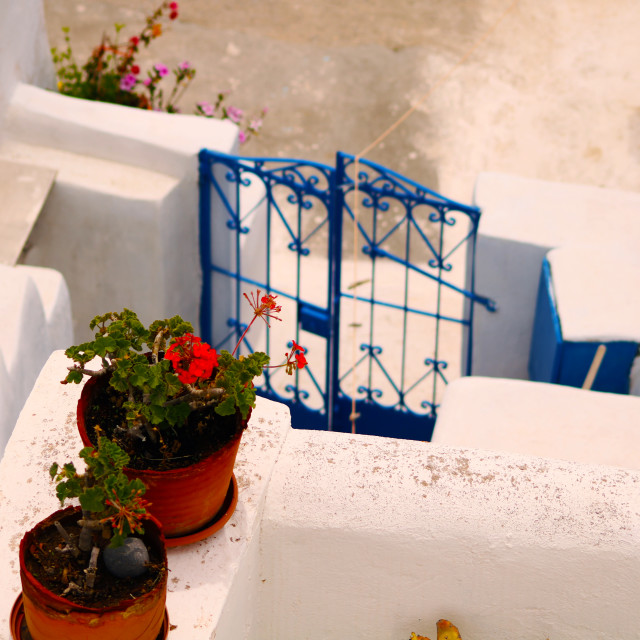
(312, 204)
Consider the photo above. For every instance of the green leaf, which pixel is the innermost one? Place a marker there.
(157, 414)
(93, 499)
(71, 488)
(117, 540)
(104, 345)
(68, 470)
(174, 386)
(75, 376)
(120, 377)
(227, 407)
(139, 375)
(118, 458)
(154, 376)
(177, 414)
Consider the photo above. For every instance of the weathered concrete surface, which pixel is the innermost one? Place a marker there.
(552, 94)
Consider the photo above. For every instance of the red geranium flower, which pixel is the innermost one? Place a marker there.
(191, 358)
(301, 361)
(265, 308)
(298, 353)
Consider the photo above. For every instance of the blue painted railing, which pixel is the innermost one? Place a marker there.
(287, 227)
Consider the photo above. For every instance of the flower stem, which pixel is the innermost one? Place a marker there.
(243, 335)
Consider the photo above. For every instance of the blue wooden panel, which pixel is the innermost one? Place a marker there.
(555, 360)
(546, 341)
(613, 374)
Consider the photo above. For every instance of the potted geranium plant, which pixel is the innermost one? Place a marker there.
(97, 570)
(177, 407)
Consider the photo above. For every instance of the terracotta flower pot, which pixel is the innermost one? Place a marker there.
(52, 617)
(187, 501)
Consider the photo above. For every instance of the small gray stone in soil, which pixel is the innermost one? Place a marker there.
(127, 561)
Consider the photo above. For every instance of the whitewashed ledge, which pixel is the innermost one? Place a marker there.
(341, 536)
(540, 419)
(35, 319)
(201, 574)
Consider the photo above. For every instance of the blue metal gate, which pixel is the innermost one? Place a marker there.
(365, 277)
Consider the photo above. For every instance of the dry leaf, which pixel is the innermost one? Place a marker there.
(447, 631)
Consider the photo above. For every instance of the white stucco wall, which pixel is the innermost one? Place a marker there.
(522, 219)
(24, 48)
(362, 537)
(368, 537)
(121, 221)
(35, 317)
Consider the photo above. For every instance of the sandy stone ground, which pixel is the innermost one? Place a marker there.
(553, 93)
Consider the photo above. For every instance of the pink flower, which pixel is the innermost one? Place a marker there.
(242, 137)
(162, 70)
(234, 114)
(147, 82)
(184, 65)
(127, 82)
(206, 108)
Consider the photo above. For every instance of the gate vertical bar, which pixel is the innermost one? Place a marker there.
(471, 268)
(237, 202)
(204, 185)
(335, 274)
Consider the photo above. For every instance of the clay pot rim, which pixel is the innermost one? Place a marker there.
(17, 617)
(152, 473)
(123, 604)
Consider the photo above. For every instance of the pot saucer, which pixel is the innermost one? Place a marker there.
(215, 524)
(19, 630)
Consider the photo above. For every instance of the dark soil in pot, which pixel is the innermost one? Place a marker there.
(55, 571)
(176, 447)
